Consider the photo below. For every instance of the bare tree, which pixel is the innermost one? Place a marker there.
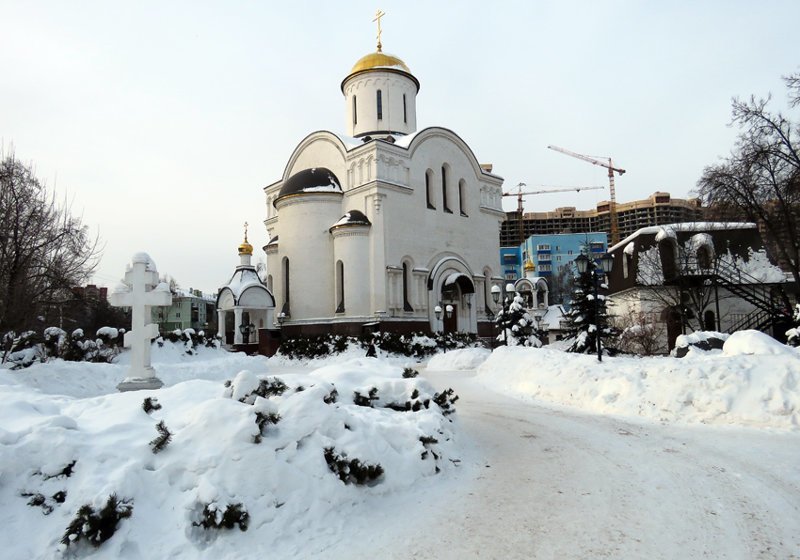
(688, 298)
(761, 177)
(640, 335)
(44, 250)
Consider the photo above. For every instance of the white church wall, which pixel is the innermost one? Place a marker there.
(305, 239)
(351, 246)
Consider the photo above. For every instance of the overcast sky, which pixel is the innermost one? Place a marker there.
(162, 121)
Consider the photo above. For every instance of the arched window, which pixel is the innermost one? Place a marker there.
(445, 205)
(405, 114)
(340, 286)
(487, 292)
(406, 287)
(429, 189)
(285, 286)
(626, 264)
(462, 203)
(380, 105)
(355, 111)
(269, 282)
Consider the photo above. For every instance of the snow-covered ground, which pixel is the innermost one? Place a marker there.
(549, 455)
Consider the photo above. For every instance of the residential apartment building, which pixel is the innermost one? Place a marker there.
(549, 254)
(658, 209)
(189, 309)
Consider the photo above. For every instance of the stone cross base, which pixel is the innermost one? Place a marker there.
(139, 383)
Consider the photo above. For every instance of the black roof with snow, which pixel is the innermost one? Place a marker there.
(316, 179)
(353, 218)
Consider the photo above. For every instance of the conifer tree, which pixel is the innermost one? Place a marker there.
(516, 325)
(584, 316)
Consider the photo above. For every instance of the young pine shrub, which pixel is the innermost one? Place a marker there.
(215, 517)
(163, 440)
(96, 527)
(352, 471)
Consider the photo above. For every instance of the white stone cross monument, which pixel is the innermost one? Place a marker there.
(140, 290)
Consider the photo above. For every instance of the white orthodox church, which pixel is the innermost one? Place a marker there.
(387, 226)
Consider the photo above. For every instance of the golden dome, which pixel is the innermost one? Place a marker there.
(245, 248)
(379, 60)
(529, 265)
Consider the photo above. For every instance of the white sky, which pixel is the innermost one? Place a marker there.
(163, 121)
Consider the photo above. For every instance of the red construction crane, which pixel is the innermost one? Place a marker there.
(612, 208)
(520, 193)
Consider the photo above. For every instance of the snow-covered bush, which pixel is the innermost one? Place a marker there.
(22, 350)
(793, 334)
(699, 340)
(216, 517)
(417, 345)
(97, 526)
(191, 340)
(352, 471)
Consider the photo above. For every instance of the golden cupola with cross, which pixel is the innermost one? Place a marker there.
(380, 94)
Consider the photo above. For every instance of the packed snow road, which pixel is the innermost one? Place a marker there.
(551, 483)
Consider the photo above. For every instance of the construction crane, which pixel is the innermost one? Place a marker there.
(612, 207)
(520, 193)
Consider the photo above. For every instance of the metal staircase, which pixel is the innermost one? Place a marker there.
(770, 300)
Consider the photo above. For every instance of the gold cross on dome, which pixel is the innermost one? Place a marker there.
(245, 230)
(378, 15)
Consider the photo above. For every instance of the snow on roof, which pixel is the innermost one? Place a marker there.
(630, 248)
(405, 140)
(243, 279)
(453, 278)
(687, 226)
(553, 316)
(666, 232)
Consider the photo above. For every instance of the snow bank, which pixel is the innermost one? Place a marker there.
(755, 343)
(465, 358)
(723, 388)
(297, 507)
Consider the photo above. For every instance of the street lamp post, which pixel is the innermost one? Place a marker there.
(596, 271)
(448, 310)
(246, 329)
(506, 303)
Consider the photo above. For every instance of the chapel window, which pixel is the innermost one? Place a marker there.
(405, 114)
(380, 105)
(355, 110)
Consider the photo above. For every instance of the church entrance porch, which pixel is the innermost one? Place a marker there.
(453, 294)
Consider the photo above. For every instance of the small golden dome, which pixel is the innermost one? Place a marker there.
(245, 248)
(529, 265)
(379, 60)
